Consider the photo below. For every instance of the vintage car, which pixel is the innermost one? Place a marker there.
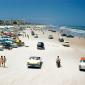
(40, 45)
(9, 33)
(52, 30)
(66, 44)
(64, 34)
(14, 45)
(35, 36)
(1, 48)
(7, 45)
(70, 36)
(61, 39)
(34, 62)
(19, 42)
(50, 37)
(82, 63)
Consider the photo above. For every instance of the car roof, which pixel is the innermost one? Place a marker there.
(34, 57)
(40, 42)
(82, 58)
(66, 42)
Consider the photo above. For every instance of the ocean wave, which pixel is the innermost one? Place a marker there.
(72, 30)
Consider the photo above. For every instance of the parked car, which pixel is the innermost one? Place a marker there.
(70, 36)
(82, 63)
(66, 44)
(14, 45)
(61, 40)
(7, 46)
(1, 47)
(5, 37)
(50, 37)
(64, 34)
(40, 45)
(34, 62)
(20, 43)
(35, 36)
(52, 30)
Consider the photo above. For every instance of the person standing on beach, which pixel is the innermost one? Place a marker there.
(43, 32)
(1, 61)
(27, 36)
(58, 61)
(4, 60)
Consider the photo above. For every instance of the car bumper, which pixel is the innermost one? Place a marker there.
(34, 65)
(81, 67)
(40, 48)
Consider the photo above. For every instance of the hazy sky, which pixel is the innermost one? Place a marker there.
(59, 12)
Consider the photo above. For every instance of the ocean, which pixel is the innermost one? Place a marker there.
(73, 30)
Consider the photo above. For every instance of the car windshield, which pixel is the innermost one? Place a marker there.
(82, 61)
(35, 58)
(66, 42)
(39, 42)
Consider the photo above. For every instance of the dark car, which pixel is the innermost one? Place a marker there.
(70, 36)
(40, 45)
(61, 40)
(7, 45)
(64, 34)
(51, 30)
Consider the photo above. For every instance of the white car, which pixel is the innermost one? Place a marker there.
(82, 63)
(50, 37)
(66, 44)
(34, 62)
(35, 36)
(26, 44)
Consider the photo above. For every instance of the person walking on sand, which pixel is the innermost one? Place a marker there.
(28, 36)
(0, 62)
(58, 62)
(4, 60)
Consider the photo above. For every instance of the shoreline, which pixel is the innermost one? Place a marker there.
(74, 42)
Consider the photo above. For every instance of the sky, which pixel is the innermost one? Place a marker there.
(56, 12)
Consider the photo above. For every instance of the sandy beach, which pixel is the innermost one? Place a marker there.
(17, 73)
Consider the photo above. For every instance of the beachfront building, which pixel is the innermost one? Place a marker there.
(37, 27)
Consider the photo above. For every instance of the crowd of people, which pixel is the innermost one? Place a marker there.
(2, 61)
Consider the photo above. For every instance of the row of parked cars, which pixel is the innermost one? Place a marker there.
(7, 42)
(67, 35)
